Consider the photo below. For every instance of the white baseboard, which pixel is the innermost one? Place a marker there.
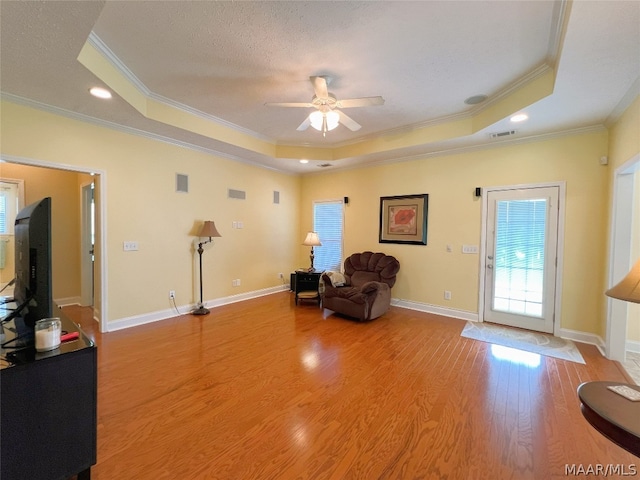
(435, 309)
(584, 337)
(63, 302)
(151, 317)
(633, 346)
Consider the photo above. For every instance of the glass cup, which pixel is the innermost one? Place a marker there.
(47, 332)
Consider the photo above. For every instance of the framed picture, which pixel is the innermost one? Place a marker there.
(403, 219)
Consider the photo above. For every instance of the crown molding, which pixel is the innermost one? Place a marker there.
(624, 103)
(95, 41)
(476, 147)
(129, 130)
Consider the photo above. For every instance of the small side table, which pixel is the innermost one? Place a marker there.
(306, 287)
(614, 416)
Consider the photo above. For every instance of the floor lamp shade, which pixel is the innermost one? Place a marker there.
(628, 288)
(208, 230)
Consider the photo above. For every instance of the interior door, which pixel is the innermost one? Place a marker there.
(87, 241)
(521, 257)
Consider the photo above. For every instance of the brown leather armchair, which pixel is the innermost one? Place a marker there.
(367, 291)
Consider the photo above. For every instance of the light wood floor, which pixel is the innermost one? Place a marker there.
(263, 389)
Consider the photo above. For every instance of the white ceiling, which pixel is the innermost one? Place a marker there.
(223, 61)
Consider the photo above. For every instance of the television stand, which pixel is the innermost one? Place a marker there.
(48, 409)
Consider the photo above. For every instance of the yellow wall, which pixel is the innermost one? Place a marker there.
(142, 205)
(633, 310)
(455, 218)
(62, 187)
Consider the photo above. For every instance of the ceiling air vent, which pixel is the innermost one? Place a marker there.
(325, 165)
(508, 133)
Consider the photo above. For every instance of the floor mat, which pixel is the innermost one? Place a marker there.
(535, 342)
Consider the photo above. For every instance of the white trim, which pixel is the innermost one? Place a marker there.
(582, 337)
(132, 131)
(633, 346)
(562, 189)
(137, 320)
(113, 59)
(65, 302)
(435, 309)
(103, 315)
(619, 254)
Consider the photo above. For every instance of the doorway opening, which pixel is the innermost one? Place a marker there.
(98, 280)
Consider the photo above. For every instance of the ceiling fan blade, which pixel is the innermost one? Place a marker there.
(360, 102)
(304, 125)
(288, 104)
(320, 86)
(349, 122)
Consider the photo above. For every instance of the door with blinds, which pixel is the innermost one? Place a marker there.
(521, 257)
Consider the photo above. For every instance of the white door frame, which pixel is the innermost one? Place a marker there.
(101, 221)
(620, 255)
(483, 241)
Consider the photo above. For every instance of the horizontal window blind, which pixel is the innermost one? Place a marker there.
(3, 214)
(521, 227)
(328, 223)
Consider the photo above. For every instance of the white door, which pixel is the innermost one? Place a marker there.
(87, 246)
(521, 257)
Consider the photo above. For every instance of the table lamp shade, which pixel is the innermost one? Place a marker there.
(629, 287)
(209, 230)
(312, 240)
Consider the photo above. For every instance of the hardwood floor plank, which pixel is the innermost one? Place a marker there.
(263, 389)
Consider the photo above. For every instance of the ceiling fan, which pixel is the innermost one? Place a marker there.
(327, 117)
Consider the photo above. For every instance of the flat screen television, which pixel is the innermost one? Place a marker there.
(32, 291)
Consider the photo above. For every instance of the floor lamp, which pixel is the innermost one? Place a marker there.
(207, 230)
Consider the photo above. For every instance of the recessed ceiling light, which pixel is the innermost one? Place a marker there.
(520, 117)
(304, 161)
(100, 92)
(476, 99)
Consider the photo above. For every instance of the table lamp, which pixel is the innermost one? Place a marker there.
(312, 240)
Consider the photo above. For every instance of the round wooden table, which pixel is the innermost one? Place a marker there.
(614, 416)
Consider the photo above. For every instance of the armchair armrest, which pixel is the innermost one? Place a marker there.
(371, 287)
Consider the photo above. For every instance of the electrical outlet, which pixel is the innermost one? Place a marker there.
(235, 283)
(172, 294)
(280, 275)
(447, 295)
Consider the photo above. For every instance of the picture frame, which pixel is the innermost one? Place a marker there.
(403, 219)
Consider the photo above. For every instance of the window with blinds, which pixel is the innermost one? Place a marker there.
(3, 214)
(519, 261)
(328, 223)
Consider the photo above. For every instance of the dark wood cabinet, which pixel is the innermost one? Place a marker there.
(49, 414)
(306, 286)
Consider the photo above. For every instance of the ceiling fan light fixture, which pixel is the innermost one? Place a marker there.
(333, 119)
(316, 119)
